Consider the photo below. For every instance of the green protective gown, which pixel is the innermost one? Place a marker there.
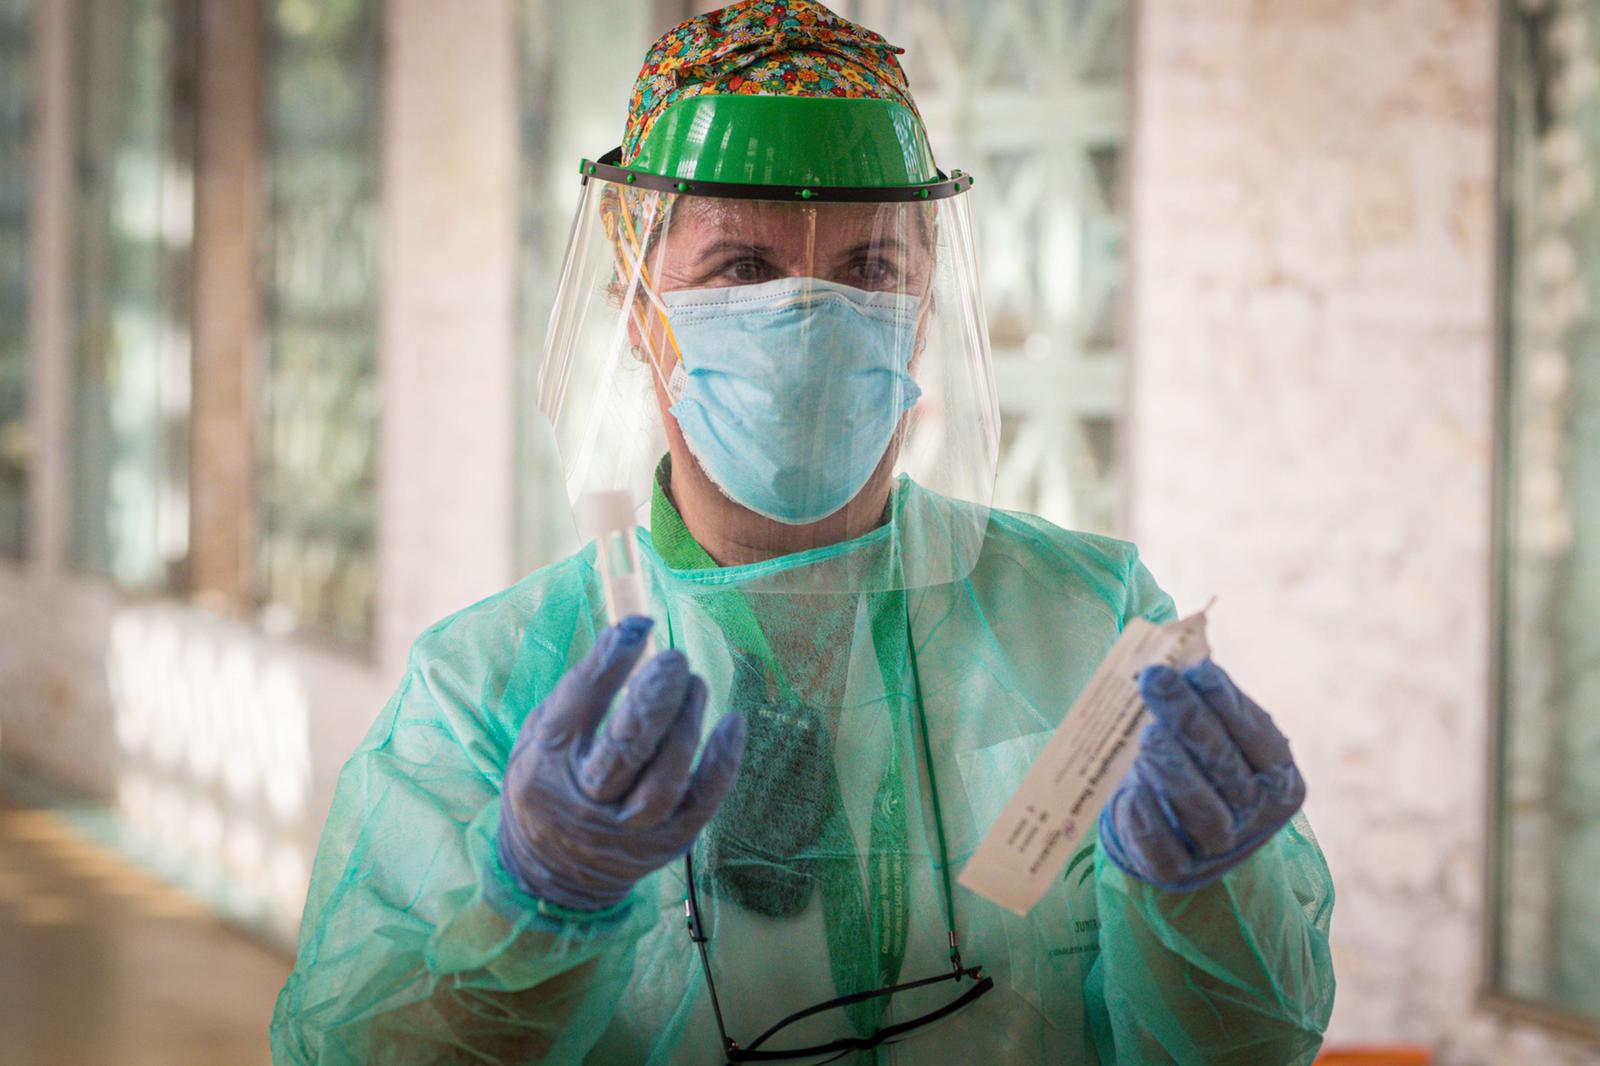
(820, 874)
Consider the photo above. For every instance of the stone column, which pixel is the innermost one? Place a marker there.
(50, 291)
(228, 193)
(446, 432)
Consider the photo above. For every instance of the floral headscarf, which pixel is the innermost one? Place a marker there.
(766, 48)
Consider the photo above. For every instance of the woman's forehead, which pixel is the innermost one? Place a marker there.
(707, 217)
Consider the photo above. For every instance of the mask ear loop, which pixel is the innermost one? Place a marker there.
(634, 265)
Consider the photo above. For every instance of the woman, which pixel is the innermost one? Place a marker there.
(769, 332)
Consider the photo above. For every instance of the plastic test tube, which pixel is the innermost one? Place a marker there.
(607, 518)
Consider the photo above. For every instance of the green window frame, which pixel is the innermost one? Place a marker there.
(318, 402)
(1544, 928)
(17, 92)
(134, 213)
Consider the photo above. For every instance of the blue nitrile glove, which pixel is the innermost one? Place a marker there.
(583, 817)
(1212, 782)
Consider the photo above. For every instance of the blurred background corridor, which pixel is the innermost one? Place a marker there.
(1302, 296)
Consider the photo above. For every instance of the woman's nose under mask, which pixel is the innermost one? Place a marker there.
(789, 392)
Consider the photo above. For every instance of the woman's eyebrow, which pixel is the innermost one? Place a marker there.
(746, 247)
(879, 244)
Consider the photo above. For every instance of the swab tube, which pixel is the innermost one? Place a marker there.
(607, 519)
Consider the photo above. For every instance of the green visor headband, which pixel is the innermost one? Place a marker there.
(785, 148)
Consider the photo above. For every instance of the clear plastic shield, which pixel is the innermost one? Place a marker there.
(784, 369)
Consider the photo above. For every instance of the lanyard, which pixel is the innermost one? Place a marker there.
(883, 916)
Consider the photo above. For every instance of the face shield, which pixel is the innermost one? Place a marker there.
(814, 362)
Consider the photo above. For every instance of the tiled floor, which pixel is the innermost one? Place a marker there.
(100, 963)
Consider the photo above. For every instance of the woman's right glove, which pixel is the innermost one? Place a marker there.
(583, 817)
(1213, 781)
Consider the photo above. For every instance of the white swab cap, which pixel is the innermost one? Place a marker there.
(604, 512)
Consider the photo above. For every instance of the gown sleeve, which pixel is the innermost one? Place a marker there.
(416, 946)
(1237, 972)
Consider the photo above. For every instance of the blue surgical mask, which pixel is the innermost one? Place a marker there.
(789, 392)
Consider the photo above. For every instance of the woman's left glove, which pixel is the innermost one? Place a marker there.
(1213, 781)
(586, 811)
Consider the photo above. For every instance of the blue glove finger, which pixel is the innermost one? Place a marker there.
(1283, 791)
(1264, 747)
(581, 698)
(719, 765)
(662, 783)
(1137, 839)
(1193, 810)
(635, 731)
(1179, 707)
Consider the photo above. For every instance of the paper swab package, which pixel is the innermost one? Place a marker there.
(1060, 797)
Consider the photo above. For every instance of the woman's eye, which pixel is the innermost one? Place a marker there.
(748, 271)
(873, 272)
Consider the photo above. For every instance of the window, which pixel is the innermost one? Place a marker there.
(1030, 97)
(1545, 933)
(318, 406)
(16, 120)
(135, 217)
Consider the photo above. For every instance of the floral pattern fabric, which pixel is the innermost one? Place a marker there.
(767, 48)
